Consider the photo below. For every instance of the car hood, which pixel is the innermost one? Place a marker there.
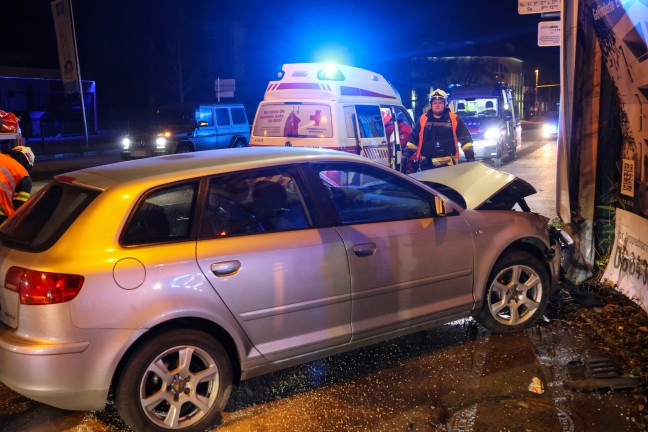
(477, 186)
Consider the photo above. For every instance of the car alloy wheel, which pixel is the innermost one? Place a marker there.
(179, 380)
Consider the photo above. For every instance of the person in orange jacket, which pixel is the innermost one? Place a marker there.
(435, 139)
(15, 180)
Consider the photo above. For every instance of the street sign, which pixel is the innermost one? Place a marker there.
(549, 33)
(225, 88)
(538, 6)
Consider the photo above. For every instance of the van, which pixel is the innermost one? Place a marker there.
(189, 128)
(332, 106)
(490, 113)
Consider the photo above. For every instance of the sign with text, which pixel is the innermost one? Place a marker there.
(225, 88)
(538, 6)
(628, 265)
(65, 41)
(549, 33)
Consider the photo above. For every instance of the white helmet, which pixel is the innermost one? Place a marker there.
(439, 94)
(24, 155)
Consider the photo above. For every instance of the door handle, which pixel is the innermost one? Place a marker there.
(365, 249)
(225, 268)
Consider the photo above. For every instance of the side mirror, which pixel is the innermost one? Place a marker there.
(507, 115)
(439, 206)
(202, 124)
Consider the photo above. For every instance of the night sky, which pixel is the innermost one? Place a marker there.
(122, 44)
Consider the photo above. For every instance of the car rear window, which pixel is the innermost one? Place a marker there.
(45, 217)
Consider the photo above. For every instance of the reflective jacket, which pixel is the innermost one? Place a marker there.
(440, 137)
(15, 184)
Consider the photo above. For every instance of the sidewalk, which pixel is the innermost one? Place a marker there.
(51, 148)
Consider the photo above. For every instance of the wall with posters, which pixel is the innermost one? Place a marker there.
(603, 155)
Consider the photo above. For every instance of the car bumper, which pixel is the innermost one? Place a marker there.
(83, 368)
(142, 153)
(485, 149)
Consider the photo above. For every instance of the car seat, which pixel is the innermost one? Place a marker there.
(490, 108)
(270, 202)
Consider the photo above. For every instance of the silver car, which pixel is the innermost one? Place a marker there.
(168, 280)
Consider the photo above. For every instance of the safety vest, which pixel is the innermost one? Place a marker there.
(453, 122)
(11, 173)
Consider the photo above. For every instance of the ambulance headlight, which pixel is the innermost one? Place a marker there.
(126, 142)
(160, 142)
(491, 133)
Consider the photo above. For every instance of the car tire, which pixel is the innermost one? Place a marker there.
(193, 394)
(239, 143)
(183, 148)
(517, 294)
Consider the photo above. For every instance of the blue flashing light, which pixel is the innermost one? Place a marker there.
(330, 71)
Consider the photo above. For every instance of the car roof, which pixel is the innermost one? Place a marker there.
(176, 167)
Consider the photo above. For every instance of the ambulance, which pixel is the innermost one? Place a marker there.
(335, 107)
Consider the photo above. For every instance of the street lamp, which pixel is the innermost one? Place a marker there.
(535, 97)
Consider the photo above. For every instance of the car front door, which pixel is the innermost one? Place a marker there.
(408, 265)
(285, 281)
(205, 134)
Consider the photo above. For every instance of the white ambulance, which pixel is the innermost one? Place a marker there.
(335, 107)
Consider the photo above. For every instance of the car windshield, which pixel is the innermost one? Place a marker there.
(46, 216)
(475, 107)
(175, 116)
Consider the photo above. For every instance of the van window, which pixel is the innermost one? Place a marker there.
(370, 121)
(238, 116)
(222, 117)
(295, 120)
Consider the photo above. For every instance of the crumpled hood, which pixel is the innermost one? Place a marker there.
(479, 186)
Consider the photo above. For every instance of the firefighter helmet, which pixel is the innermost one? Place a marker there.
(24, 155)
(439, 94)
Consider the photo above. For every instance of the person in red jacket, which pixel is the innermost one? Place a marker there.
(15, 181)
(436, 138)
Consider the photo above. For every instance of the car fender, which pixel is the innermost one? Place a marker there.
(495, 232)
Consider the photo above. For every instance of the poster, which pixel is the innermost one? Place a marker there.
(627, 268)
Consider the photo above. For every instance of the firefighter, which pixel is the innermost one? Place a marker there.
(434, 141)
(15, 180)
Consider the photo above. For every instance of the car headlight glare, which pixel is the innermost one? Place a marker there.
(126, 142)
(492, 133)
(160, 142)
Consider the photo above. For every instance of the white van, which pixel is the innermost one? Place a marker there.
(332, 106)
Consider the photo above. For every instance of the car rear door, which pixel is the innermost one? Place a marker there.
(223, 126)
(407, 264)
(285, 281)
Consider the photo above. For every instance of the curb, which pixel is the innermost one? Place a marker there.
(58, 156)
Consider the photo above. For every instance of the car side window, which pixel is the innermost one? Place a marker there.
(238, 116)
(222, 117)
(162, 216)
(255, 202)
(362, 194)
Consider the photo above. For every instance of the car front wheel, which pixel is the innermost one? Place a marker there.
(517, 294)
(179, 380)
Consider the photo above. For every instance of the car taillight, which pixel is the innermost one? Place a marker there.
(39, 288)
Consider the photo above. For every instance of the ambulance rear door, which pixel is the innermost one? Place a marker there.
(365, 132)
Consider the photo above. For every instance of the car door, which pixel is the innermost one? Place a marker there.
(408, 265)
(205, 133)
(366, 131)
(285, 281)
(223, 126)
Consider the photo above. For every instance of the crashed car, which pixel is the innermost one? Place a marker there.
(162, 282)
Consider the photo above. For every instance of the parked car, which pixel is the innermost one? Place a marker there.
(189, 128)
(167, 280)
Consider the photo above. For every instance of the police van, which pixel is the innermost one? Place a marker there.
(490, 114)
(334, 107)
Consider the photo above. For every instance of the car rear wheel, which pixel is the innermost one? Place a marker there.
(517, 294)
(239, 143)
(179, 380)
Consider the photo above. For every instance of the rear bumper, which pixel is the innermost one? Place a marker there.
(66, 375)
